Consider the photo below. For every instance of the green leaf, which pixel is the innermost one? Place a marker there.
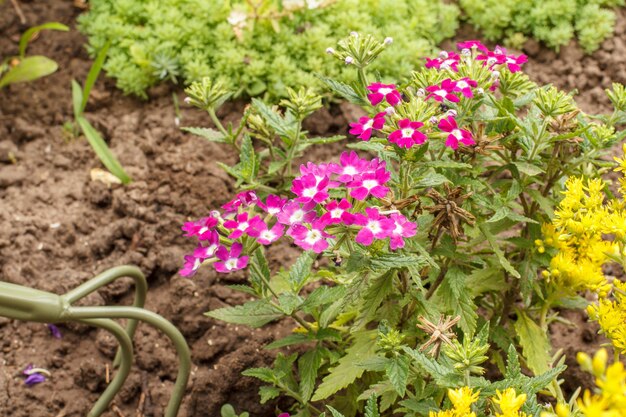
(397, 371)
(344, 90)
(28, 35)
(308, 366)
(546, 205)
(446, 164)
(209, 134)
(377, 291)
(292, 339)
(534, 342)
(387, 261)
(345, 373)
(276, 122)
(249, 164)
(264, 374)
(528, 169)
(443, 376)
(496, 249)
(254, 313)
(29, 69)
(431, 179)
(259, 271)
(289, 302)
(485, 280)
(77, 98)
(334, 412)
(92, 76)
(301, 270)
(322, 296)
(102, 150)
(371, 408)
(268, 392)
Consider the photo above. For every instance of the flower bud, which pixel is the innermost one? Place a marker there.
(349, 60)
(495, 75)
(388, 40)
(443, 55)
(330, 51)
(480, 91)
(433, 120)
(451, 112)
(355, 34)
(562, 410)
(421, 92)
(390, 110)
(466, 52)
(598, 363)
(491, 61)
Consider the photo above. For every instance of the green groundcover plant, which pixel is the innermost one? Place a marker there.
(421, 265)
(554, 22)
(259, 46)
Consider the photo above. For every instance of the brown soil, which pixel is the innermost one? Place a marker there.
(58, 228)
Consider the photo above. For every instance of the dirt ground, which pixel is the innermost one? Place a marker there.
(59, 228)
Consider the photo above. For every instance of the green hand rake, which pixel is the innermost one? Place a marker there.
(27, 304)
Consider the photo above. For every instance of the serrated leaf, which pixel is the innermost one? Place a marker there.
(322, 296)
(275, 120)
(264, 374)
(443, 376)
(485, 280)
(209, 134)
(292, 339)
(300, 271)
(249, 164)
(388, 261)
(254, 313)
(371, 408)
(528, 169)
(289, 302)
(344, 90)
(259, 271)
(232, 171)
(334, 412)
(534, 342)
(496, 249)
(268, 392)
(345, 373)
(308, 366)
(377, 291)
(397, 370)
(431, 180)
(546, 204)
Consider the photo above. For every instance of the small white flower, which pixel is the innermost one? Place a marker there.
(388, 40)
(330, 51)
(443, 55)
(491, 61)
(480, 91)
(421, 92)
(187, 100)
(237, 17)
(349, 60)
(495, 75)
(355, 34)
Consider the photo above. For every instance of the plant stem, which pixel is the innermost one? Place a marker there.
(438, 280)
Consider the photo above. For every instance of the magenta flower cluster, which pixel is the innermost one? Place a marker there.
(407, 133)
(307, 218)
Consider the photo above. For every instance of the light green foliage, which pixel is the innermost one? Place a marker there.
(22, 68)
(554, 22)
(191, 39)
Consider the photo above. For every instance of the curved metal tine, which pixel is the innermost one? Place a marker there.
(123, 312)
(105, 278)
(126, 355)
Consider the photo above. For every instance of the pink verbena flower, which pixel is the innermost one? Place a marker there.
(446, 60)
(363, 128)
(448, 124)
(408, 135)
(514, 63)
(443, 91)
(381, 91)
(295, 213)
(273, 204)
(472, 44)
(230, 261)
(370, 183)
(307, 188)
(269, 236)
(243, 199)
(375, 226)
(242, 224)
(337, 212)
(208, 250)
(349, 165)
(403, 228)
(310, 239)
(190, 266)
(464, 86)
(202, 228)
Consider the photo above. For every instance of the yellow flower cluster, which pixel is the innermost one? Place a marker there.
(462, 399)
(577, 231)
(610, 398)
(610, 313)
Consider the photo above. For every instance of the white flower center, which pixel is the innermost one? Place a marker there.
(385, 90)
(374, 226)
(407, 133)
(369, 184)
(312, 237)
(296, 216)
(273, 210)
(242, 226)
(268, 235)
(449, 62)
(349, 170)
(462, 84)
(196, 264)
(203, 230)
(398, 230)
(368, 124)
(457, 133)
(336, 213)
(309, 192)
(441, 93)
(231, 263)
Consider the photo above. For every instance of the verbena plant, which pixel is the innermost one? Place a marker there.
(554, 22)
(261, 46)
(420, 266)
(22, 68)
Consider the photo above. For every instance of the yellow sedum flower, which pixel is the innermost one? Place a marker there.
(609, 400)
(462, 400)
(510, 403)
